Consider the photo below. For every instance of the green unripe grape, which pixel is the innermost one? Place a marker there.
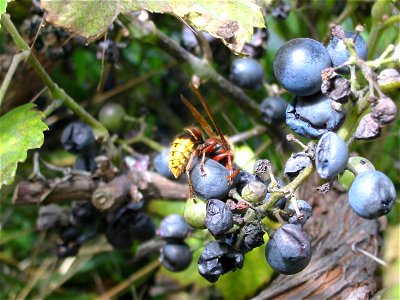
(195, 213)
(355, 165)
(112, 116)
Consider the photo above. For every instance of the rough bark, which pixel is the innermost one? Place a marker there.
(335, 270)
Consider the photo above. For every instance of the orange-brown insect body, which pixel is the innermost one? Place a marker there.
(182, 148)
(190, 144)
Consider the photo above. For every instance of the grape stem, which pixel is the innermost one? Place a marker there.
(56, 92)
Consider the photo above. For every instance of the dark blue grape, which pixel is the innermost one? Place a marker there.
(217, 259)
(331, 155)
(298, 65)
(173, 227)
(127, 225)
(253, 236)
(304, 208)
(295, 164)
(86, 161)
(372, 194)
(77, 137)
(176, 256)
(214, 183)
(338, 51)
(161, 164)
(246, 73)
(273, 110)
(313, 116)
(83, 213)
(219, 218)
(288, 251)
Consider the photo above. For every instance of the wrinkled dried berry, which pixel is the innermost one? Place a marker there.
(313, 116)
(368, 128)
(219, 218)
(253, 236)
(384, 111)
(217, 259)
(337, 88)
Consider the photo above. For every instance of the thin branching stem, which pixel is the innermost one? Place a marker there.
(55, 91)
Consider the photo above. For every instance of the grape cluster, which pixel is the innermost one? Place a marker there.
(49, 40)
(233, 217)
(82, 221)
(238, 211)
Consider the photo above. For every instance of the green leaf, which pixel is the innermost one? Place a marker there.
(3, 6)
(243, 283)
(231, 20)
(21, 129)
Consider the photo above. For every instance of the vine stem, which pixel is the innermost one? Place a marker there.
(116, 290)
(56, 92)
(10, 73)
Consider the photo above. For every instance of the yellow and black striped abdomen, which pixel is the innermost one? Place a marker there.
(181, 149)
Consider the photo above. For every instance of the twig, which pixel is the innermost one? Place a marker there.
(116, 290)
(55, 91)
(82, 187)
(13, 67)
(203, 69)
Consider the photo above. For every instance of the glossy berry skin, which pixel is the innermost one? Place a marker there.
(161, 164)
(304, 208)
(214, 184)
(219, 218)
(372, 194)
(338, 51)
(298, 65)
(173, 227)
(331, 155)
(112, 116)
(356, 164)
(273, 110)
(288, 251)
(246, 73)
(176, 256)
(313, 116)
(77, 137)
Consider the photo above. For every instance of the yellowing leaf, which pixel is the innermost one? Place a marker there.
(231, 20)
(21, 129)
